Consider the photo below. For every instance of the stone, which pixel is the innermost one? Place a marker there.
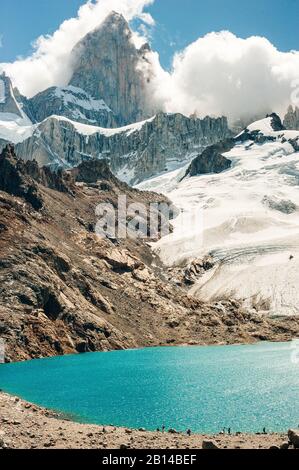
(285, 445)
(293, 436)
(210, 445)
(282, 205)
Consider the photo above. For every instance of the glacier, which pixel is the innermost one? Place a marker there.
(246, 218)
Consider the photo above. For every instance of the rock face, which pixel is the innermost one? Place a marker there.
(71, 102)
(211, 159)
(8, 104)
(134, 152)
(291, 120)
(108, 66)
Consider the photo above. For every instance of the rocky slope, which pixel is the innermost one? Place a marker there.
(64, 290)
(135, 152)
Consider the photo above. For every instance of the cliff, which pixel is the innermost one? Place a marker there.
(134, 152)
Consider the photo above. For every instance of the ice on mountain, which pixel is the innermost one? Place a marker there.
(250, 224)
(79, 97)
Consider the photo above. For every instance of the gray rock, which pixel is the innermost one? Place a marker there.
(281, 205)
(211, 159)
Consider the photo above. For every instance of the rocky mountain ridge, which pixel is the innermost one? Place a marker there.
(134, 152)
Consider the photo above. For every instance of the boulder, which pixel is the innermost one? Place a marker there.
(209, 445)
(211, 159)
(293, 436)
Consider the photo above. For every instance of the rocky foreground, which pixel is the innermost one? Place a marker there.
(27, 426)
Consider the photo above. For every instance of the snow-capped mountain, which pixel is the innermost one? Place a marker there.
(103, 113)
(109, 83)
(246, 218)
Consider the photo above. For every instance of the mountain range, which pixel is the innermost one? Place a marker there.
(70, 147)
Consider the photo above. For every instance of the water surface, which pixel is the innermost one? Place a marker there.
(202, 388)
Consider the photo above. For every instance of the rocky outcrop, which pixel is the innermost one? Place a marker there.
(291, 119)
(108, 66)
(134, 152)
(71, 102)
(20, 178)
(282, 205)
(276, 123)
(15, 180)
(211, 159)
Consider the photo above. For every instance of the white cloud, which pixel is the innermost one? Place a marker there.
(50, 63)
(217, 74)
(223, 74)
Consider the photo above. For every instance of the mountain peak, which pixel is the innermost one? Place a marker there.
(115, 17)
(108, 66)
(8, 103)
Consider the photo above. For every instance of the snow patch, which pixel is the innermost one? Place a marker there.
(86, 129)
(80, 98)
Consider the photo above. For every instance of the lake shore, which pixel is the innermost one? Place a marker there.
(27, 426)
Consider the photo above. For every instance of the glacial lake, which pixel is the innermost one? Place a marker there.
(205, 389)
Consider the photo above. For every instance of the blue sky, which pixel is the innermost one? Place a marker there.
(179, 22)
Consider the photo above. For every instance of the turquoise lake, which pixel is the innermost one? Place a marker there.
(201, 388)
